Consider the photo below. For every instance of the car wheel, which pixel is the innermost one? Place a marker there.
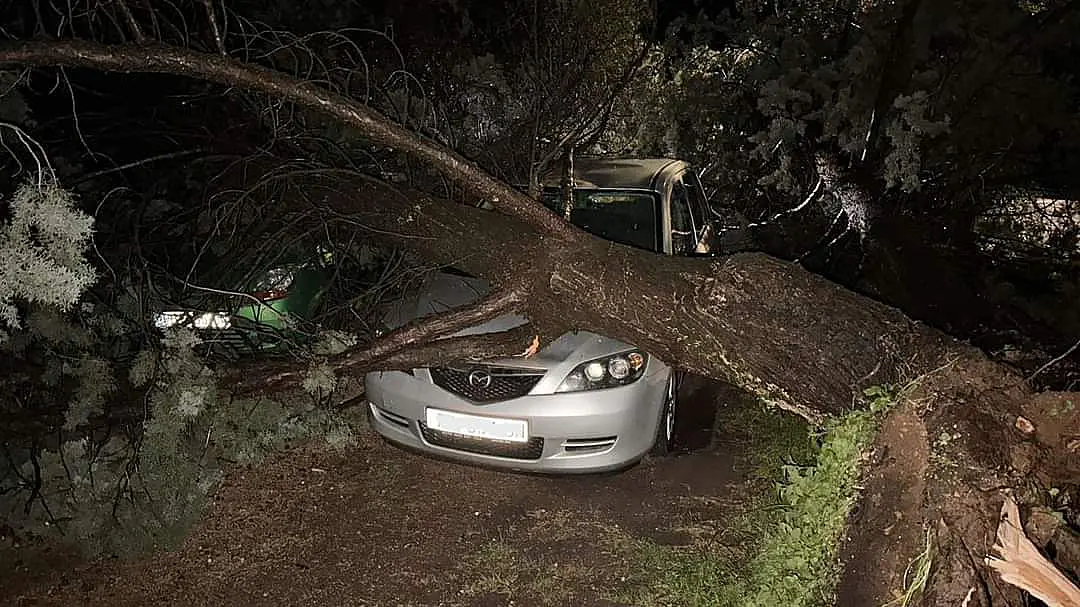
(665, 431)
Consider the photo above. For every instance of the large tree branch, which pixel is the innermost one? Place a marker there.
(463, 349)
(451, 350)
(414, 344)
(161, 59)
(497, 247)
(687, 312)
(435, 326)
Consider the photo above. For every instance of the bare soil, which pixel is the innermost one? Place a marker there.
(886, 528)
(380, 526)
(1055, 418)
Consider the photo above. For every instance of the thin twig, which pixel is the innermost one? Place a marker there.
(43, 169)
(135, 163)
(1055, 361)
(75, 115)
(136, 30)
(219, 41)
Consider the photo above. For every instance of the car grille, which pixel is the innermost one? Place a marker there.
(532, 449)
(243, 339)
(502, 383)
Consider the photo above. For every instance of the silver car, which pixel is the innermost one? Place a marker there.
(584, 403)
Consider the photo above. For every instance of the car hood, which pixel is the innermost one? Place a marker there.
(441, 291)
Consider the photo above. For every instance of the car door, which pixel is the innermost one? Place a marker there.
(691, 228)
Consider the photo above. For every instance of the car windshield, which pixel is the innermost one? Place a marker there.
(622, 216)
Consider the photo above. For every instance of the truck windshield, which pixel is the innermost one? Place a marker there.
(622, 216)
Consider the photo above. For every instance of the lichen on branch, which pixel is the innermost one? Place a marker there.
(43, 247)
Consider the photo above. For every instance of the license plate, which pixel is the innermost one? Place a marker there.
(494, 428)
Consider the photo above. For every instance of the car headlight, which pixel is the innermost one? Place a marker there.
(607, 372)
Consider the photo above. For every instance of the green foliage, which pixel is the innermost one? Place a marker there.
(120, 434)
(330, 342)
(543, 79)
(880, 398)
(759, 92)
(98, 497)
(121, 493)
(793, 546)
(903, 163)
(320, 380)
(247, 431)
(94, 382)
(799, 565)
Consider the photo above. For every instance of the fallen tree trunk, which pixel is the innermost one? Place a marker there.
(790, 337)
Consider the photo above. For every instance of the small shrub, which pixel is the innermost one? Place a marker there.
(131, 494)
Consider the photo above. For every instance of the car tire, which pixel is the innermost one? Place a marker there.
(665, 430)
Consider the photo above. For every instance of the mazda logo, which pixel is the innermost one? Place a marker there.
(479, 379)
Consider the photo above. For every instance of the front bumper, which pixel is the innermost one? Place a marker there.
(579, 432)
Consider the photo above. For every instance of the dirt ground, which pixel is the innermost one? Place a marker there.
(885, 530)
(380, 526)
